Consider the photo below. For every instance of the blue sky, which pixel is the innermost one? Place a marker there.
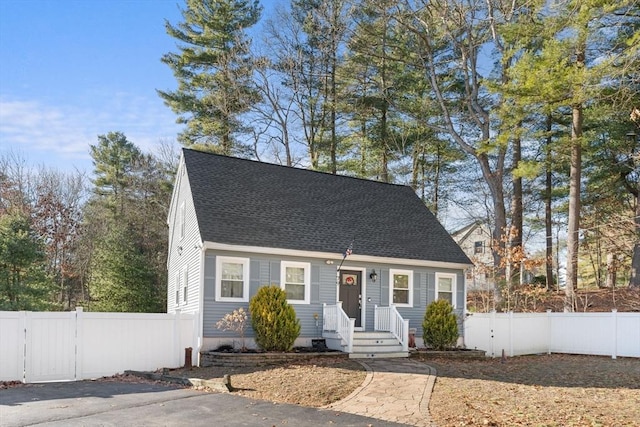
(71, 70)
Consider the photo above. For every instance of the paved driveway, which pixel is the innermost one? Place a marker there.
(100, 403)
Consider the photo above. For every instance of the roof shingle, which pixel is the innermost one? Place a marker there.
(249, 203)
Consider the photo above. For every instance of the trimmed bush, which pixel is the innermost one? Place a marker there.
(273, 320)
(440, 326)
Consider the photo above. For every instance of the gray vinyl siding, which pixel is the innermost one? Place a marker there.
(265, 270)
(184, 252)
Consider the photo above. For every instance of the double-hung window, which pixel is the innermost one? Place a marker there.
(182, 219)
(295, 279)
(177, 285)
(446, 287)
(232, 279)
(185, 286)
(401, 287)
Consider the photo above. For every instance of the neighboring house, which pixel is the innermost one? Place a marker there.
(476, 242)
(236, 225)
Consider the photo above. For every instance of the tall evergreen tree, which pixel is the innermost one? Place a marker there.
(114, 159)
(125, 249)
(570, 66)
(214, 72)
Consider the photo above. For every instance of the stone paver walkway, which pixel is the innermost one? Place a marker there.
(395, 390)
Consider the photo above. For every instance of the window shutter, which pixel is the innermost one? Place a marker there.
(383, 276)
(275, 273)
(315, 284)
(254, 276)
(417, 290)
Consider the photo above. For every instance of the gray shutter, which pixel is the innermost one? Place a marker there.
(431, 287)
(254, 277)
(315, 284)
(384, 287)
(417, 288)
(274, 278)
(209, 276)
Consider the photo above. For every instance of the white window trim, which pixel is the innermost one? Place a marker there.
(409, 273)
(307, 280)
(245, 278)
(454, 279)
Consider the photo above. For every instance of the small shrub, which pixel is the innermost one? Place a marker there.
(273, 320)
(235, 321)
(440, 326)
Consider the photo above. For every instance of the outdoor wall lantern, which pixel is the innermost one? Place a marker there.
(373, 276)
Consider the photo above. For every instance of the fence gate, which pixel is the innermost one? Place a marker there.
(56, 346)
(50, 346)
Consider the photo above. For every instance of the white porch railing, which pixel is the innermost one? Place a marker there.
(334, 319)
(389, 320)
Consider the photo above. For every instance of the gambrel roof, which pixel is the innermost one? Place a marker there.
(249, 203)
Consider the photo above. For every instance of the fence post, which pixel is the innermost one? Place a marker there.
(178, 338)
(28, 347)
(22, 333)
(511, 334)
(405, 335)
(352, 325)
(493, 326)
(614, 319)
(375, 317)
(78, 318)
(549, 331)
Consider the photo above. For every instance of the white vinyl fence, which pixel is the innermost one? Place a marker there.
(68, 346)
(607, 334)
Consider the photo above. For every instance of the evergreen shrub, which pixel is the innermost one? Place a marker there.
(273, 320)
(440, 326)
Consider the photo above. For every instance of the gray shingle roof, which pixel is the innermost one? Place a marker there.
(249, 203)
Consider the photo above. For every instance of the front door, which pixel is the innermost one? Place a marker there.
(351, 294)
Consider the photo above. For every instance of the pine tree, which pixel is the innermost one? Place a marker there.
(214, 72)
(124, 249)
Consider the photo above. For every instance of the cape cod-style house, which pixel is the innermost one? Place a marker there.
(359, 260)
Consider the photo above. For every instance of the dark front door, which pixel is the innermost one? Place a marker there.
(351, 294)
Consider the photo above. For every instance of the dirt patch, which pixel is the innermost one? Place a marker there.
(313, 382)
(556, 390)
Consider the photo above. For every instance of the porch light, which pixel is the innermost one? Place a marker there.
(373, 276)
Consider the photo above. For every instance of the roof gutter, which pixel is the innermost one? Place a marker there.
(331, 255)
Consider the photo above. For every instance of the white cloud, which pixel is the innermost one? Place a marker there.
(63, 133)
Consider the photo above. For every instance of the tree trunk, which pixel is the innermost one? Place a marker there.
(334, 139)
(548, 220)
(384, 174)
(436, 183)
(611, 271)
(494, 180)
(574, 209)
(516, 203)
